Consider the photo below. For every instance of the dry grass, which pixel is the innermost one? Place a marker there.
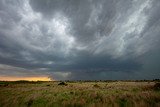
(86, 94)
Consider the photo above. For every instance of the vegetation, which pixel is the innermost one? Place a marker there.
(80, 94)
(62, 83)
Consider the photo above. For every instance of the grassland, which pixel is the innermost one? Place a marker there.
(79, 94)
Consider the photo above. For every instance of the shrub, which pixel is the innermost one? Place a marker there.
(29, 103)
(157, 86)
(96, 86)
(62, 83)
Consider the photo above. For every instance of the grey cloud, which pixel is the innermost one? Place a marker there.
(7, 70)
(82, 39)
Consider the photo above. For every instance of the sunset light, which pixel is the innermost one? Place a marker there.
(16, 78)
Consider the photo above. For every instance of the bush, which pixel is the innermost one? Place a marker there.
(157, 86)
(62, 83)
(96, 86)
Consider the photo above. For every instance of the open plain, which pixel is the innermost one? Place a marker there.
(79, 94)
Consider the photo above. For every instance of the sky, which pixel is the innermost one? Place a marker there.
(80, 39)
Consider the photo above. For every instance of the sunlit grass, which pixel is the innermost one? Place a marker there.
(89, 94)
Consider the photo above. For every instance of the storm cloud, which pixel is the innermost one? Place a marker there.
(80, 39)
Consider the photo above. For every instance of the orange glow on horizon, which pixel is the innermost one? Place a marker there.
(34, 78)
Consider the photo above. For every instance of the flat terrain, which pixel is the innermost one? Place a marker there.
(79, 94)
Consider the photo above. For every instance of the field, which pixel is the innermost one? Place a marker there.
(79, 94)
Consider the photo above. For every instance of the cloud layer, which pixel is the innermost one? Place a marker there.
(82, 39)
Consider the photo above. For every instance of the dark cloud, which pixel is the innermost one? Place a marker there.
(80, 39)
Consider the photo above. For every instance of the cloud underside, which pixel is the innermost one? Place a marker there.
(82, 39)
